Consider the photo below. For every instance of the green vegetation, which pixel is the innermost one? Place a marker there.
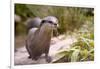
(81, 50)
(70, 18)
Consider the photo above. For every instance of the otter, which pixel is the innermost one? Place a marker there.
(38, 40)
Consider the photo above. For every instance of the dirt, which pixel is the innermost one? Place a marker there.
(57, 43)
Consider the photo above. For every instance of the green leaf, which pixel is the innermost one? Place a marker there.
(75, 55)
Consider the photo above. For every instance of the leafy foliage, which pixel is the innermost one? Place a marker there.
(82, 50)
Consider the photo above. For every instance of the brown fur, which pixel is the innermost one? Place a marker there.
(38, 42)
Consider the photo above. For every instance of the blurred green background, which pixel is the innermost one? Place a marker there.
(70, 18)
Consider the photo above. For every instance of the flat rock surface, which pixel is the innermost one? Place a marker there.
(57, 43)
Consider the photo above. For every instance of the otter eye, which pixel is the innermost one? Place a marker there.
(50, 21)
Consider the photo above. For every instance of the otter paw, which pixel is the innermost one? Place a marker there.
(48, 59)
